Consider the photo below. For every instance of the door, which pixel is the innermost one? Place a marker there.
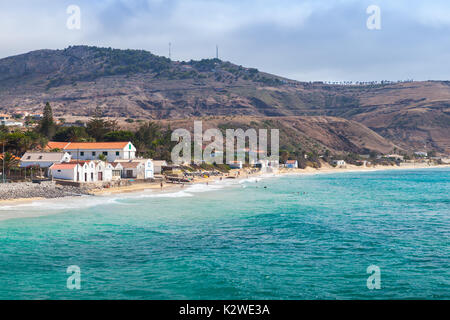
(85, 177)
(129, 173)
(100, 176)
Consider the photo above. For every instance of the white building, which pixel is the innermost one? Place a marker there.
(158, 165)
(235, 164)
(339, 163)
(43, 160)
(395, 157)
(104, 171)
(137, 168)
(82, 171)
(421, 154)
(93, 150)
(261, 164)
(292, 164)
(65, 171)
(11, 123)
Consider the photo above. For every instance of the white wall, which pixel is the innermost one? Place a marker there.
(149, 169)
(113, 154)
(41, 164)
(66, 174)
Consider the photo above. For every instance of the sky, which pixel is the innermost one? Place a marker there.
(306, 40)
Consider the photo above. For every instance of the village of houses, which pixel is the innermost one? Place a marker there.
(107, 165)
(74, 168)
(81, 166)
(78, 162)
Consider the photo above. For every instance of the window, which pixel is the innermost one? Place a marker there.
(40, 157)
(82, 153)
(105, 153)
(117, 153)
(59, 170)
(29, 157)
(93, 153)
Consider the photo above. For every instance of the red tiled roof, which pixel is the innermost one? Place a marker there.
(86, 145)
(56, 145)
(63, 166)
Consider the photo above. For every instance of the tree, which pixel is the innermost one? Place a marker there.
(47, 125)
(121, 135)
(98, 127)
(72, 134)
(9, 160)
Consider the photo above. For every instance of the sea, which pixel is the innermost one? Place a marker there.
(353, 235)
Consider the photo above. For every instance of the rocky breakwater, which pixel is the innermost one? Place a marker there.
(48, 190)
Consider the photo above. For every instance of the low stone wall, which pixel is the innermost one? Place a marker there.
(48, 189)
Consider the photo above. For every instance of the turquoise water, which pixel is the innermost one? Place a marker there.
(239, 241)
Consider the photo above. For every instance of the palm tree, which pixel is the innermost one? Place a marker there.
(9, 161)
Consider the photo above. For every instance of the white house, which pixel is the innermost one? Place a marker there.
(149, 168)
(158, 165)
(65, 171)
(104, 171)
(261, 164)
(11, 123)
(117, 170)
(339, 163)
(421, 154)
(43, 160)
(235, 164)
(92, 150)
(292, 164)
(83, 171)
(137, 168)
(395, 157)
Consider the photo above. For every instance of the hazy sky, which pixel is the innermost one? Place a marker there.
(303, 40)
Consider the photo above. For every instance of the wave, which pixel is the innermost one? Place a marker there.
(61, 203)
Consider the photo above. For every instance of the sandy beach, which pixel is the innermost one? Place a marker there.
(233, 174)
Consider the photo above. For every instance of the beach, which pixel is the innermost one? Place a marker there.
(61, 192)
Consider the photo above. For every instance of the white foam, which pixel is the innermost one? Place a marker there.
(152, 194)
(61, 203)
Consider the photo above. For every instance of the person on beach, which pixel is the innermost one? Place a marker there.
(162, 185)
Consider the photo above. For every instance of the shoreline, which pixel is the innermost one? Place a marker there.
(237, 174)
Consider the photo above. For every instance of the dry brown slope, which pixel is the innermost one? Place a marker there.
(308, 133)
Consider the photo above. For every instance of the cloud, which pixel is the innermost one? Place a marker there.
(305, 40)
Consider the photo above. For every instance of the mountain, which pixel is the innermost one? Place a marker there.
(138, 84)
(311, 133)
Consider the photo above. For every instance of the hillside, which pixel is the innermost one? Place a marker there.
(138, 84)
(311, 134)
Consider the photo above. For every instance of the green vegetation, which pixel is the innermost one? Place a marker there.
(150, 139)
(47, 126)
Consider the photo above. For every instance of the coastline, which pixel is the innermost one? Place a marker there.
(236, 174)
